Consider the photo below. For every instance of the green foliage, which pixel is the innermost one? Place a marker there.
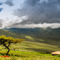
(6, 41)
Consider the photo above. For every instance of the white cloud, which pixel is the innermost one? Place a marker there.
(31, 14)
(44, 25)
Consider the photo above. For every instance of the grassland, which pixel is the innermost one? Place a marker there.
(29, 50)
(17, 55)
(38, 45)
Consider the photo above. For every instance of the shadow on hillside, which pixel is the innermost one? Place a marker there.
(47, 41)
(40, 50)
(51, 42)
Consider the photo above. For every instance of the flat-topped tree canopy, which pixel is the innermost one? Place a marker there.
(6, 41)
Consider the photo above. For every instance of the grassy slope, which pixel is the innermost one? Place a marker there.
(8, 33)
(16, 55)
(28, 50)
(32, 49)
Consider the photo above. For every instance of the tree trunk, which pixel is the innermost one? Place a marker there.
(7, 51)
(7, 48)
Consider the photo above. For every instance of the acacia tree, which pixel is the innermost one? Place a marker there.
(6, 41)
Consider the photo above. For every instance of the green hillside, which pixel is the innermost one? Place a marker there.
(38, 39)
(8, 33)
(38, 45)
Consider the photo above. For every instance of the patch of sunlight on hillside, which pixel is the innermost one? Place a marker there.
(41, 39)
(29, 37)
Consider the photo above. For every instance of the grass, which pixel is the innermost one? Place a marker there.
(17, 55)
(30, 50)
(29, 46)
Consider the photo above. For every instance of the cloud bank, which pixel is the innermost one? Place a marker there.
(40, 11)
(44, 25)
(34, 13)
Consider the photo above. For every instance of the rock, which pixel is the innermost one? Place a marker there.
(55, 53)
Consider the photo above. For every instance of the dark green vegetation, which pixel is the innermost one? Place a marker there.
(47, 33)
(7, 33)
(38, 45)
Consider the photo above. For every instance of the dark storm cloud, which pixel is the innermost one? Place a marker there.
(40, 11)
(9, 2)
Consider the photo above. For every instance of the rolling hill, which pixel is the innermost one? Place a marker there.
(8, 33)
(37, 39)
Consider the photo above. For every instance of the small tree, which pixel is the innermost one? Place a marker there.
(6, 41)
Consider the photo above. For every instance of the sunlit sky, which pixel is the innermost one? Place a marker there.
(7, 13)
(30, 13)
(8, 10)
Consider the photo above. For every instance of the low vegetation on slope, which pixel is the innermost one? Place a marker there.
(34, 48)
(8, 33)
(17, 55)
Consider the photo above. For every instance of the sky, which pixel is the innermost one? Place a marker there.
(30, 13)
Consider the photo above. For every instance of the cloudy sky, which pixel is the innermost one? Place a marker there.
(30, 13)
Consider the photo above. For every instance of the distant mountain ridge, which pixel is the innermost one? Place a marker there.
(8, 33)
(47, 33)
